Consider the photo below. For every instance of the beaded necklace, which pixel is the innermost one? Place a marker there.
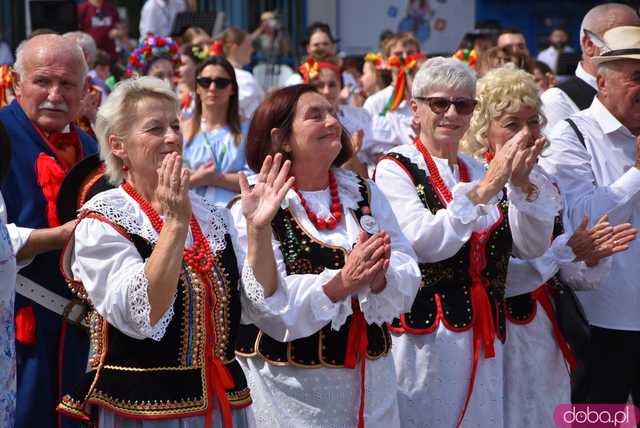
(199, 256)
(436, 178)
(331, 222)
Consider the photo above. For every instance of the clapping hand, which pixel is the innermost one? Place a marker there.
(602, 240)
(173, 189)
(366, 264)
(261, 203)
(526, 157)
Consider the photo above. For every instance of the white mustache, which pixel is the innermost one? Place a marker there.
(52, 106)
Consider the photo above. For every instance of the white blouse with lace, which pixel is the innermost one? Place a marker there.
(112, 272)
(321, 397)
(434, 369)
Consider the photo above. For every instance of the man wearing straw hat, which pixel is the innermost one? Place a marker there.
(595, 157)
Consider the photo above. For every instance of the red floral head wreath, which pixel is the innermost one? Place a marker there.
(310, 69)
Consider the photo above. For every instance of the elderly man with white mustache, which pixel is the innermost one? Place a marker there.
(50, 80)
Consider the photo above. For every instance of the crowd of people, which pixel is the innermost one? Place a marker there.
(402, 241)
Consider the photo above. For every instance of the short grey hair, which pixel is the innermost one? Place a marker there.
(18, 65)
(117, 114)
(606, 16)
(86, 43)
(443, 73)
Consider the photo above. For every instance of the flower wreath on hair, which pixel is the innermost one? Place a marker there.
(310, 69)
(6, 79)
(217, 48)
(152, 47)
(404, 65)
(376, 59)
(200, 52)
(469, 56)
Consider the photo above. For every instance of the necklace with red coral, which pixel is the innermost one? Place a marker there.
(199, 256)
(436, 178)
(332, 221)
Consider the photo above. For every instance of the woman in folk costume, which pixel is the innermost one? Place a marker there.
(326, 77)
(317, 355)
(509, 103)
(158, 267)
(448, 349)
(215, 138)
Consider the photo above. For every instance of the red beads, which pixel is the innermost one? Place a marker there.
(331, 222)
(435, 176)
(199, 256)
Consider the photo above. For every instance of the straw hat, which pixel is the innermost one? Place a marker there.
(616, 44)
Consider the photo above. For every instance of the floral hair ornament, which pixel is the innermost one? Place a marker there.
(469, 56)
(6, 79)
(200, 52)
(405, 65)
(148, 51)
(217, 48)
(309, 70)
(375, 58)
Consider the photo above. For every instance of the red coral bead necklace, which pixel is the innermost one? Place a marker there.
(332, 221)
(199, 256)
(436, 178)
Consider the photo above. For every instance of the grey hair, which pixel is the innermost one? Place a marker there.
(18, 65)
(86, 43)
(605, 16)
(117, 114)
(441, 73)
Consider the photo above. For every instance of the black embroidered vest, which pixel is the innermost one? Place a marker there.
(303, 254)
(445, 292)
(166, 378)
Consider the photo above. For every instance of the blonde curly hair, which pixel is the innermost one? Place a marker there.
(502, 90)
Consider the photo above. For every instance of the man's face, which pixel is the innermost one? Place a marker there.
(558, 39)
(515, 42)
(320, 45)
(403, 49)
(619, 91)
(51, 90)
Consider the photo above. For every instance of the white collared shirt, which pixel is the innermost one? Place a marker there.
(556, 104)
(597, 180)
(550, 56)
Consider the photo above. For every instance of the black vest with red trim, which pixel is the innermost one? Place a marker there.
(303, 254)
(148, 379)
(445, 291)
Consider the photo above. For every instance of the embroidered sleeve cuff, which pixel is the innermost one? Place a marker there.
(562, 253)
(545, 206)
(323, 308)
(461, 206)
(254, 295)
(581, 277)
(140, 308)
(384, 306)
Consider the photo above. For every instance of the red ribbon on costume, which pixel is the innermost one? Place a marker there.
(406, 66)
(49, 174)
(26, 326)
(357, 343)
(542, 296)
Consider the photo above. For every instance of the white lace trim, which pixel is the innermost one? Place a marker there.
(253, 290)
(385, 306)
(214, 227)
(140, 309)
(461, 206)
(548, 203)
(323, 308)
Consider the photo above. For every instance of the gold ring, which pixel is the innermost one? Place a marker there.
(615, 242)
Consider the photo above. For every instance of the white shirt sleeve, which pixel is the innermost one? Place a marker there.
(112, 272)
(556, 106)
(570, 163)
(299, 307)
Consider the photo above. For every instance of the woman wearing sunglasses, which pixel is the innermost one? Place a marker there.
(215, 148)
(509, 103)
(448, 350)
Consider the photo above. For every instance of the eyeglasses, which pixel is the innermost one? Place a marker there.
(220, 82)
(440, 105)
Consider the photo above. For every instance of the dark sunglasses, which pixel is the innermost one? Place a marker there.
(220, 82)
(440, 105)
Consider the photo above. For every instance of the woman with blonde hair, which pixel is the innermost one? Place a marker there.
(509, 104)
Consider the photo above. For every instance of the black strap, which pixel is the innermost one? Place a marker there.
(580, 92)
(573, 125)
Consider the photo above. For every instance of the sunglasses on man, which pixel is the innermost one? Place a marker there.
(440, 105)
(219, 82)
